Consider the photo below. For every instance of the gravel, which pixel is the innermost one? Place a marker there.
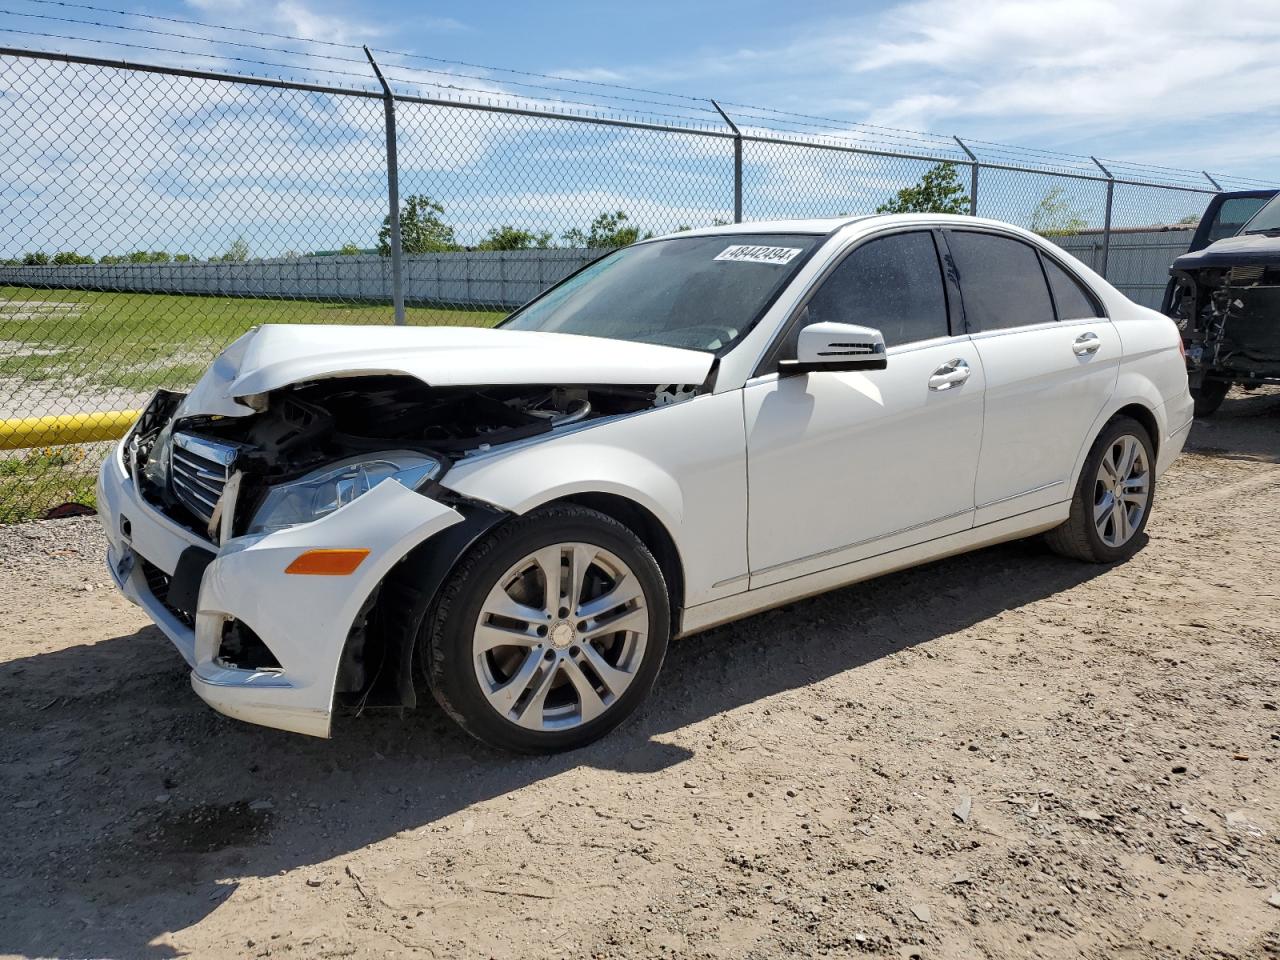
(1048, 702)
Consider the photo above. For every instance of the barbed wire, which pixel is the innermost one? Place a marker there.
(702, 107)
(697, 112)
(185, 53)
(848, 131)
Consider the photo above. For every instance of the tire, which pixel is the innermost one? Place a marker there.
(542, 676)
(1094, 532)
(1209, 395)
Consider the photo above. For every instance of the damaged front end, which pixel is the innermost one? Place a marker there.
(1230, 321)
(302, 452)
(308, 449)
(1226, 302)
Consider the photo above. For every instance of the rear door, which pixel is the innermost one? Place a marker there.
(1051, 360)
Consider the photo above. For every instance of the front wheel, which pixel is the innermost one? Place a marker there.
(1113, 499)
(550, 632)
(1209, 395)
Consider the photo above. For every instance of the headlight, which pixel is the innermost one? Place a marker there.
(323, 491)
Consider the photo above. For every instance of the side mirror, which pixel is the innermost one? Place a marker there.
(837, 346)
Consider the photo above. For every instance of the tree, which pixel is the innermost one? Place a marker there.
(183, 258)
(148, 256)
(238, 252)
(715, 222)
(1054, 216)
(349, 250)
(421, 228)
(511, 238)
(70, 257)
(606, 231)
(37, 259)
(939, 190)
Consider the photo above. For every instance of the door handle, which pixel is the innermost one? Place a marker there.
(950, 374)
(1086, 344)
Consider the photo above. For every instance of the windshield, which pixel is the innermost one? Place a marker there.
(701, 293)
(1268, 218)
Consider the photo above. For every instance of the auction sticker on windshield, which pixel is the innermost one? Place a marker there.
(751, 253)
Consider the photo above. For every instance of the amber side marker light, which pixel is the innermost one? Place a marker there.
(327, 563)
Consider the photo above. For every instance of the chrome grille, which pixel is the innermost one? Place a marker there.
(199, 470)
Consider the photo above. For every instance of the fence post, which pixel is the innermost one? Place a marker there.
(1216, 185)
(973, 177)
(1106, 225)
(393, 192)
(737, 163)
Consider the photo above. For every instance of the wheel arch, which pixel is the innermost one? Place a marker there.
(1144, 416)
(389, 620)
(653, 533)
(1137, 397)
(403, 599)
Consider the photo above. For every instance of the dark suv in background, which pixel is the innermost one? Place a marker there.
(1224, 294)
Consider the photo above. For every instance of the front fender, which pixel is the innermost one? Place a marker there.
(543, 473)
(684, 463)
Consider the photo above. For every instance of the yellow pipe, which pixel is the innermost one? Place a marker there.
(71, 428)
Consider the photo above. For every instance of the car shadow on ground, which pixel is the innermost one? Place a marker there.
(1245, 427)
(179, 798)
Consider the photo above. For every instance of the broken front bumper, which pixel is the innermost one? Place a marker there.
(303, 620)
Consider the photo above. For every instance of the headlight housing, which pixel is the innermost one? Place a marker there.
(323, 491)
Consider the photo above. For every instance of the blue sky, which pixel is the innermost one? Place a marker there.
(1156, 81)
(1142, 81)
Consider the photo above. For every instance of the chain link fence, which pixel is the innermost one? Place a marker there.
(151, 215)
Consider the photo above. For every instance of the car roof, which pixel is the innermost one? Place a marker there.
(828, 225)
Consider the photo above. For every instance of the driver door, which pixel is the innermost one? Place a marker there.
(842, 466)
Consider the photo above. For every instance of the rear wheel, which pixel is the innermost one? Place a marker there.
(1209, 395)
(550, 632)
(1112, 502)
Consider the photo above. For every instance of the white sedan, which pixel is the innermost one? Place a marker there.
(685, 432)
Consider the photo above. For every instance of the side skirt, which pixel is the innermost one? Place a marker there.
(716, 612)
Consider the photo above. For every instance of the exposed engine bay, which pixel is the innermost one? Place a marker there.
(306, 426)
(1230, 319)
(1225, 298)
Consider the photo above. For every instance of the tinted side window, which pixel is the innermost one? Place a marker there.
(1071, 299)
(893, 284)
(1001, 282)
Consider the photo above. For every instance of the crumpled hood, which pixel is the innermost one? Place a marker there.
(1244, 250)
(277, 355)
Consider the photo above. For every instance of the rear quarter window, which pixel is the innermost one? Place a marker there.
(1073, 301)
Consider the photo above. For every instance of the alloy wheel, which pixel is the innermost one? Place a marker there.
(560, 636)
(1122, 491)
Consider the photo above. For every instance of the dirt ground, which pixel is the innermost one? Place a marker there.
(1000, 755)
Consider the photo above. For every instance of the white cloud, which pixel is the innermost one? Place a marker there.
(291, 17)
(1079, 61)
(1165, 81)
(135, 160)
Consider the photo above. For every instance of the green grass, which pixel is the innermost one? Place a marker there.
(55, 360)
(33, 481)
(140, 341)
